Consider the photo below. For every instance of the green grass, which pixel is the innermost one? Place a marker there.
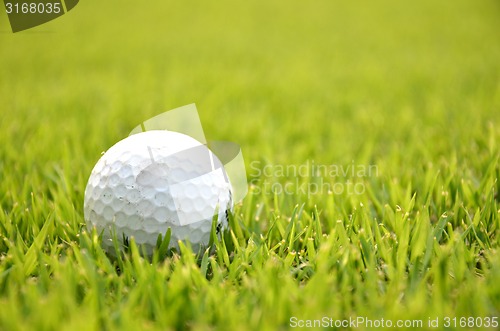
(413, 89)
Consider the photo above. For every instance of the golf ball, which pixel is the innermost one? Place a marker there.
(156, 180)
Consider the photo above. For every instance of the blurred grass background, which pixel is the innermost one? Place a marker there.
(412, 87)
(339, 68)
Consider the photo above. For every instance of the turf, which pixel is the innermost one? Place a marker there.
(411, 89)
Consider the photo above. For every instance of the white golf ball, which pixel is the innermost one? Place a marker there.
(156, 180)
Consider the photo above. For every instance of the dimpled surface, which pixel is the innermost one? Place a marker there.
(156, 180)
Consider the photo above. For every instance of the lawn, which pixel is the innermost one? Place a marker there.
(371, 138)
